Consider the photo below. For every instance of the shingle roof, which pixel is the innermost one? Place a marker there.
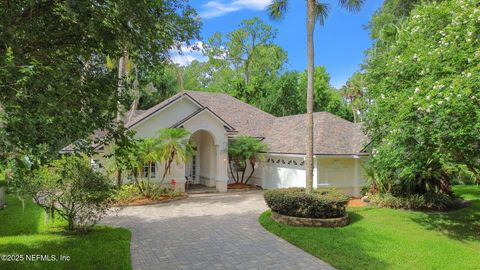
(333, 135)
(245, 118)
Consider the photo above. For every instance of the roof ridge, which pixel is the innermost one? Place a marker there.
(230, 97)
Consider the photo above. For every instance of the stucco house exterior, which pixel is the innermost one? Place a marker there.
(214, 118)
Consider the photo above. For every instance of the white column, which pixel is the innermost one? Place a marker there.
(178, 173)
(315, 172)
(221, 168)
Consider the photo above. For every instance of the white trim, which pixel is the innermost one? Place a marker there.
(284, 155)
(200, 112)
(196, 103)
(357, 156)
(340, 156)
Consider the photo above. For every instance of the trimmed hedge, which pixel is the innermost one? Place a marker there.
(323, 203)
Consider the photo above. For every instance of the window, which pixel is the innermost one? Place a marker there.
(96, 165)
(152, 170)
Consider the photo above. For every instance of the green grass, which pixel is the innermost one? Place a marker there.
(23, 231)
(394, 239)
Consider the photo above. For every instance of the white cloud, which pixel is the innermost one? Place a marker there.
(216, 8)
(187, 54)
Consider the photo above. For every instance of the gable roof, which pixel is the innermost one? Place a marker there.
(245, 118)
(196, 113)
(332, 135)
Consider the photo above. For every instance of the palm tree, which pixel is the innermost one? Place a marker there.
(353, 91)
(316, 12)
(173, 145)
(244, 150)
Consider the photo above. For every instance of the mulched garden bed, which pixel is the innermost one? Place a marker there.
(356, 202)
(242, 187)
(147, 201)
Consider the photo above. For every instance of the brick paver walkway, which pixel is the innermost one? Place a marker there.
(211, 231)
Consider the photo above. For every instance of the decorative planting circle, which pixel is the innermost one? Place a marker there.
(311, 222)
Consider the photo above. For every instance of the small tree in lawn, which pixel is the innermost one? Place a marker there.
(242, 151)
(173, 145)
(71, 188)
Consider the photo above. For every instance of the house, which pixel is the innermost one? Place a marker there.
(214, 118)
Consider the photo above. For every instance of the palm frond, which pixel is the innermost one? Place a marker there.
(321, 12)
(277, 9)
(351, 5)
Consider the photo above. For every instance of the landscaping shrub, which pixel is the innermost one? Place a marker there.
(144, 190)
(127, 193)
(295, 202)
(428, 201)
(70, 188)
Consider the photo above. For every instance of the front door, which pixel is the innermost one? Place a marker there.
(192, 169)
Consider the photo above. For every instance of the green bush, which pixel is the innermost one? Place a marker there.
(429, 201)
(295, 202)
(127, 193)
(70, 188)
(153, 191)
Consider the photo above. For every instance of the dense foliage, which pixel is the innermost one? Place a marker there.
(425, 118)
(317, 204)
(58, 83)
(242, 152)
(70, 188)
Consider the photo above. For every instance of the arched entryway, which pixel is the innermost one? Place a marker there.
(201, 169)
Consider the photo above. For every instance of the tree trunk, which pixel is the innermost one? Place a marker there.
(168, 164)
(2, 197)
(354, 114)
(231, 169)
(252, 163)
(136, 97)
(121, 84)
(149, 171)
(310, 84)
(119, 178)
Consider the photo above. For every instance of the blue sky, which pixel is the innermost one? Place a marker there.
(339, 45)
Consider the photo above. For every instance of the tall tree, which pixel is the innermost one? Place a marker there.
(55, 85)
(425, 118)
(325, 97)
(353, 91)
(248, 56)
(316, 12)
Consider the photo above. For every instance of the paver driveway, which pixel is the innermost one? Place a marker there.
(211, 231)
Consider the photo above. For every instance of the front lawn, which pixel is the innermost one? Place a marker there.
(394, 239)
(24, 232)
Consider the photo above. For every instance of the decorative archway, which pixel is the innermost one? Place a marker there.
(201, 169)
